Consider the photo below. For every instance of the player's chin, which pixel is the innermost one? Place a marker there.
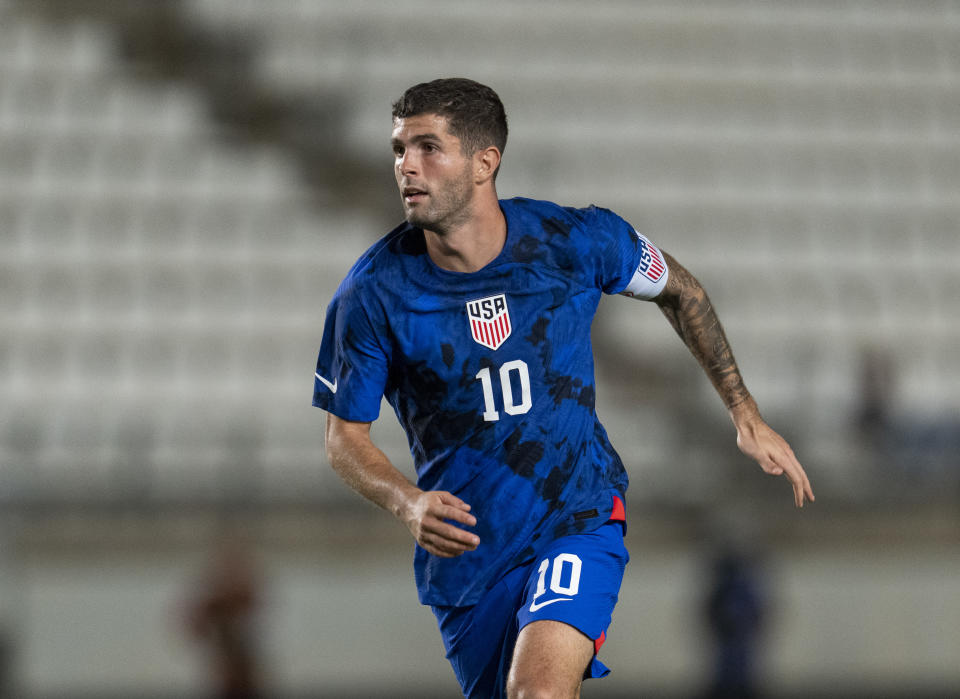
(415, 220)
(417, 217)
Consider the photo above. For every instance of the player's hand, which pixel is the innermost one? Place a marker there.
(426, 517)
(757, 440)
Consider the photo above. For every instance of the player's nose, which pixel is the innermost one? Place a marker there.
(407, 164)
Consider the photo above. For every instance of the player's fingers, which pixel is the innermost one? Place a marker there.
(798, 477)
(452, 500)
(800, 485)
(453, 535)
(457, 515)
(769, 465)
(805, 487)
(776, 458)
(435, 543)
(780, 464)
(805, 483)
(792, 474)
(439, 551)
(442, 546)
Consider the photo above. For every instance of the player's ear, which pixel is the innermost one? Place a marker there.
(486, 162)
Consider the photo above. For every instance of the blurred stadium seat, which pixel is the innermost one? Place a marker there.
(803, 161)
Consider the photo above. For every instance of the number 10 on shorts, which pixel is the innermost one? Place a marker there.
(564, 572)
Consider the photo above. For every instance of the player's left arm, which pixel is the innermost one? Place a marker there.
(686, 305)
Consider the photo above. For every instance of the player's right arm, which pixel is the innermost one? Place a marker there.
(366, 469)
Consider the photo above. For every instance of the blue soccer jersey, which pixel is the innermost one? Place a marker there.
(491, 376)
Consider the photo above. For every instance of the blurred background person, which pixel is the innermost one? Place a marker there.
(222, 617)
(735, 612)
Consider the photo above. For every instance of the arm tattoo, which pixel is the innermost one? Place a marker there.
(686, 305)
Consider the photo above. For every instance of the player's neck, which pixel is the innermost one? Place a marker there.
(472, 245)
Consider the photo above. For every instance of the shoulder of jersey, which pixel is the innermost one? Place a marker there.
(578, 219)
(374, 255)
(547, 209)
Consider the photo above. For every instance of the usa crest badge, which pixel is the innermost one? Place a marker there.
(489, 320)
(652, 265)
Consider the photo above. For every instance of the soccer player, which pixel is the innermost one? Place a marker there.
(473, 319)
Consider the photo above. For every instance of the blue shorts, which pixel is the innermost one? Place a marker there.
(576, 580)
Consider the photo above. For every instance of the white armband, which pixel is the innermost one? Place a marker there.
(651, 275)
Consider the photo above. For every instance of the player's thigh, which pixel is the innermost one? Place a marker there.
(549, 660)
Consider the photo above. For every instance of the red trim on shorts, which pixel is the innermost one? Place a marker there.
(599, 642)
(619, 513)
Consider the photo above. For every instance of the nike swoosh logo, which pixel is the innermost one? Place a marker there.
(331, 386)
(534, 606)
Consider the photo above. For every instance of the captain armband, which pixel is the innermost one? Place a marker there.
(651, 275)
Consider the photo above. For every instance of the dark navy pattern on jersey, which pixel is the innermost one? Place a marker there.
(511, 431)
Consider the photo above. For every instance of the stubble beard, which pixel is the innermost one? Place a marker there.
(449, 205)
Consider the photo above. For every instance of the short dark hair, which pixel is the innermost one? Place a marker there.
(474, 112)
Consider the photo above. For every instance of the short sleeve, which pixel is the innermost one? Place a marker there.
(352, 366)
(650, 275)
(621, 253)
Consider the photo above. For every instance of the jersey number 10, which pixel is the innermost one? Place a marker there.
(510, 406)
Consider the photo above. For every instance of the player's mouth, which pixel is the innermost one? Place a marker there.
(413, 195)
